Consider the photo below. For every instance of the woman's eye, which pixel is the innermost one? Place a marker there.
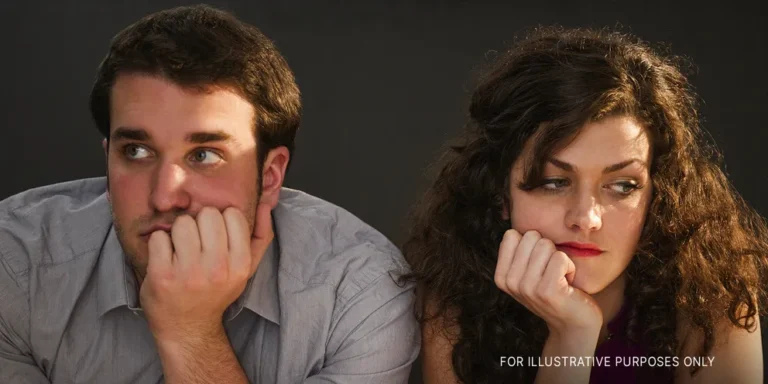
(624, 188)
(206, 156)
(555, 184)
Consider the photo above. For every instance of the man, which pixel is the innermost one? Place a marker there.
(190, 262)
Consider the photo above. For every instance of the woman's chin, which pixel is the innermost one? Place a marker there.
(589, 286)
(593, 284)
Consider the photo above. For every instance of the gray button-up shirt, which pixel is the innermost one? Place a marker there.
(322, 307)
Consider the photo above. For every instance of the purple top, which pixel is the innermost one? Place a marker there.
(614, 357)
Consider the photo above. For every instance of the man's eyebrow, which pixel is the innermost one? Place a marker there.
(208, 137)
(125, 133)
(611, 168)
(138, 134)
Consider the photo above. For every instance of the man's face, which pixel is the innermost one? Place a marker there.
(173, 151)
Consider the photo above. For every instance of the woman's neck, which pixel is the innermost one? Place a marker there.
(610, 301)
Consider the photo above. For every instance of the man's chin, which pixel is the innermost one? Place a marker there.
(135, 254)
(139, 268)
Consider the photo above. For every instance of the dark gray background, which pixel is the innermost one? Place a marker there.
(384, 84)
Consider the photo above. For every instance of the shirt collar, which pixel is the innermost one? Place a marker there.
(260, 294)
(115, 282)
(117, 285)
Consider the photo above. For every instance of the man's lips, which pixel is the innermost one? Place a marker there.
(145, 235)
(579, 249)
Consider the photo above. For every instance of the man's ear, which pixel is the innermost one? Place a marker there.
(105, 147)
(273, 175)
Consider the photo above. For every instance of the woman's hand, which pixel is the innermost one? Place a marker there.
(538, 276)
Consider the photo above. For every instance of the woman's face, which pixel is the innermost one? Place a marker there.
(595, 195)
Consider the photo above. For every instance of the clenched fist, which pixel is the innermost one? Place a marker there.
(194, 274)
(538, 276)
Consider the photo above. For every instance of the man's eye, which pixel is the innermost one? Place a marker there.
(206, 156)
(135, 152)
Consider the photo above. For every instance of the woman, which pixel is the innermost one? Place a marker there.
(584, 214)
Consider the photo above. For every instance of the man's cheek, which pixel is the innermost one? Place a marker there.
(219, 197)
(128, 188)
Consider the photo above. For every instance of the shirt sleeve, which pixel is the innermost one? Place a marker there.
(376, 338)
(16, 363)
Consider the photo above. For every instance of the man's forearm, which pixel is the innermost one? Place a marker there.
(200, 359)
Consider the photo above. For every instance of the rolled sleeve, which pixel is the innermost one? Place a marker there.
(376, 338)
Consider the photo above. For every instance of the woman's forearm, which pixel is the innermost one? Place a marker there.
(572, 344)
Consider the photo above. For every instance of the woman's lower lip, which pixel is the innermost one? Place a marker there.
(578, 252)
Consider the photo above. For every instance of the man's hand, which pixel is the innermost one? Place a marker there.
(194, 274)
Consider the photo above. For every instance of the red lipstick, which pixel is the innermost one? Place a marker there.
(575, 249)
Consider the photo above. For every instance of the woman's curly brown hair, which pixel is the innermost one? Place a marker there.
(701, 256)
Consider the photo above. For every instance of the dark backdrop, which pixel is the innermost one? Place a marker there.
(384, 83)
